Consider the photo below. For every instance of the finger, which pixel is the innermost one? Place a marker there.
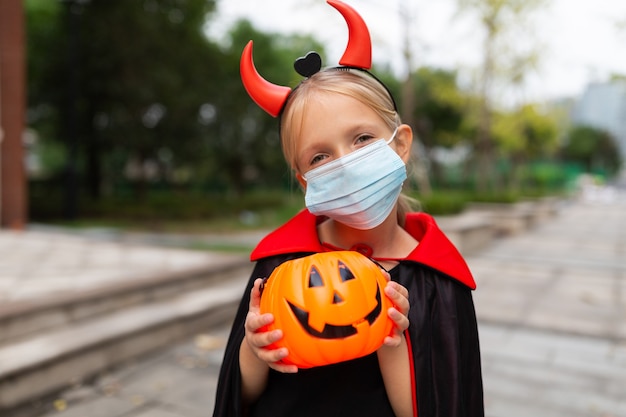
(393, 341)
(399, 296)
(272, 356)
(255, 295)
(255, 321)
(400, 289)
(284, 368)
(400, 320)
(260, 340)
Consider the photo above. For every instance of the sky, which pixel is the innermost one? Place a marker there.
(579, 40)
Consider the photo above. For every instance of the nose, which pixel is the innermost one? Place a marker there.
(342, 150)
(337, 298)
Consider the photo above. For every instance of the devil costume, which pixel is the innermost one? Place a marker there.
(442, 337)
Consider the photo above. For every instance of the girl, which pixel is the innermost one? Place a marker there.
(344, 140)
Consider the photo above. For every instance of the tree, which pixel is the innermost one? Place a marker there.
(523, 135)
(438, 112)
(148, 69)
(499, 19)
(45, 58)
(595, 149)
(123, 78)
(439, 107)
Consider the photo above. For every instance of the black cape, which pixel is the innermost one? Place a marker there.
(442, 336)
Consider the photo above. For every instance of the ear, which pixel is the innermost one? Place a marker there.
(301, 180)
(403, 142)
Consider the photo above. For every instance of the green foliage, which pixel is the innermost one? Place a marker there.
(52, 156)
(110, 76)
(439, 109)
(547, 177)
(45, 57)
(146, 66)
(525, 132)
(593, 148)
(496, 197)
(445, 202)
(186, 209)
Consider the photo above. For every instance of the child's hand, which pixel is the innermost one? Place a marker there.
(258, 340)
(399, 312)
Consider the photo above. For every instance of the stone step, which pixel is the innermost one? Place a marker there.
(20, 320)
(66, 355)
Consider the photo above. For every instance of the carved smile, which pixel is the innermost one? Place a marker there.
(331, 331)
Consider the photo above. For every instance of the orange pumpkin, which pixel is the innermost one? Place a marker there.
(330, 306)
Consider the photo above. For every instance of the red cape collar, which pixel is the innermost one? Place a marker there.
(434, 250)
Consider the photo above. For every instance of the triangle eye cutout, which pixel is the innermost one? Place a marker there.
(337, 299)
(315, 279)
(345, 273)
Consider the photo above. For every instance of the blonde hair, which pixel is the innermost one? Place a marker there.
(354, 83)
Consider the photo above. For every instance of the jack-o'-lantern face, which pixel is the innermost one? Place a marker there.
(340, 289)
(330, 307)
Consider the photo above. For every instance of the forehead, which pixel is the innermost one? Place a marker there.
(326, 112)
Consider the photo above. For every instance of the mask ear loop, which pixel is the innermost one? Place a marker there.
(393, 136)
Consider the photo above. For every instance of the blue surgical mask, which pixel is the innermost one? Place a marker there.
(359, 189)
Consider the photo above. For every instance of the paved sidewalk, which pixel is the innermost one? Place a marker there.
(40, 263)
(552, 314)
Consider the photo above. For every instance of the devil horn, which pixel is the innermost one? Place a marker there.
(270, 97)
(359, 49)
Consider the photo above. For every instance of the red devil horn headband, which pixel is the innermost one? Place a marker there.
(271, 97)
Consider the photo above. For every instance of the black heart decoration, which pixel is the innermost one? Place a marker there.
(308, 64)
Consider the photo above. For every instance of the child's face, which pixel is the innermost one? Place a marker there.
(333, 126)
